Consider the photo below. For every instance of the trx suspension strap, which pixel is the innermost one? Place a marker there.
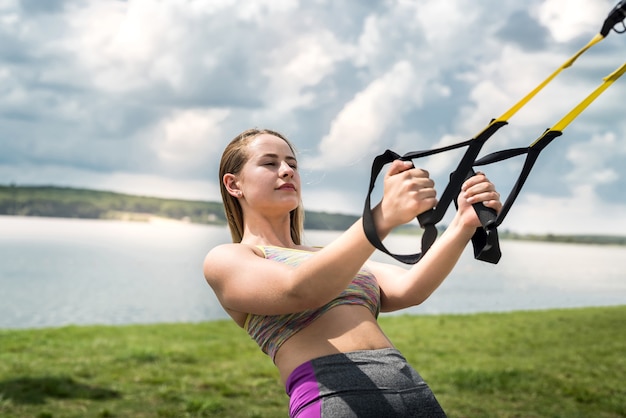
(533, 150)
(485, 240)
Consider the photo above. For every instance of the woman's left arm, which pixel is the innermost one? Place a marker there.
(401, 288)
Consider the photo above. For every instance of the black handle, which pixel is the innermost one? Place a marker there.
(487, 245)
(615, 16)
(429, 219)
(487, 216)
(485, 239)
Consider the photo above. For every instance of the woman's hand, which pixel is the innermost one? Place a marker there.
(403, 288)
(408, 191)
(476, 189)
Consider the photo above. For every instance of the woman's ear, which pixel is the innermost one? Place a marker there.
(232, 185)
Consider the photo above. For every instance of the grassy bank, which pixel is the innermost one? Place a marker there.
(560, 363)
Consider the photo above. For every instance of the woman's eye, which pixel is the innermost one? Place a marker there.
(293, 166)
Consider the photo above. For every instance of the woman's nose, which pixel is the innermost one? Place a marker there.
(286, 170)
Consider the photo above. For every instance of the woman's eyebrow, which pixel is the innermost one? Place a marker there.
(270, 155)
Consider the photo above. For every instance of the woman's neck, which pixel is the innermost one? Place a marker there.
(268, 232)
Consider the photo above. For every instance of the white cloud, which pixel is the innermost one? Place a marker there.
(188, 137)
(499, 85)
(125, 46)
(438, 17)
(310, 58)
(109, 42)
(257, 10)
(363, 121)
(590, 161)
(568, 19)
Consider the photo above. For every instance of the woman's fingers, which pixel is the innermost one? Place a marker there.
(399, 166)
(409, 191)
(478, 188)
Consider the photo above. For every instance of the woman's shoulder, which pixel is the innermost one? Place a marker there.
(225, 256)
(229, 250)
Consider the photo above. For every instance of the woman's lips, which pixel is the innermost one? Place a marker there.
(287, 186)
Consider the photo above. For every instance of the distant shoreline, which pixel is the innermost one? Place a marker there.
(503, 235)
(65, 202)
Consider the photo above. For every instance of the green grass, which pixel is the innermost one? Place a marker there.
(559, 363)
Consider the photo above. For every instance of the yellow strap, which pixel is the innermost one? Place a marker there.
(608, 80)
(513, 110)
(591, 43)
(573, 114)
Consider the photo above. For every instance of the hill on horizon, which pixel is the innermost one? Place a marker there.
(68, 202)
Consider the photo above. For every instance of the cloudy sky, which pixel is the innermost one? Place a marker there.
(141, 96)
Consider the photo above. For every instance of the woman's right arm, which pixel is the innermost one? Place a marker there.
(244, 281)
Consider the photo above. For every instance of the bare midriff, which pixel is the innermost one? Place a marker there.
(343, 329)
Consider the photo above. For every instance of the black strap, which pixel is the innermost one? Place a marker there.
(368, 219)
(459, 175)
(485, 241)
(532, 153)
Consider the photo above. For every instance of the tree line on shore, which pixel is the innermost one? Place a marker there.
(66, 202)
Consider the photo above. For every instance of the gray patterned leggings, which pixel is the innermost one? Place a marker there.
(369, 383)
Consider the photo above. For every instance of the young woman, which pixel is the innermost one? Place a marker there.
(312, 310)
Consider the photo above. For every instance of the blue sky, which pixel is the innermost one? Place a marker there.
(141, 96)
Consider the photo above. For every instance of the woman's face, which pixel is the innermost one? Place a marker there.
(270, 180)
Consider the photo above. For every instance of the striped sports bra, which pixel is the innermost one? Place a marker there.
(271, 331)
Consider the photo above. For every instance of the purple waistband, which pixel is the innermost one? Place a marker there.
(303, 392)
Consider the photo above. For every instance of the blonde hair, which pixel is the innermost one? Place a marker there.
(233, 159)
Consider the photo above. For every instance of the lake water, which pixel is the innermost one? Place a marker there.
(56, 272)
